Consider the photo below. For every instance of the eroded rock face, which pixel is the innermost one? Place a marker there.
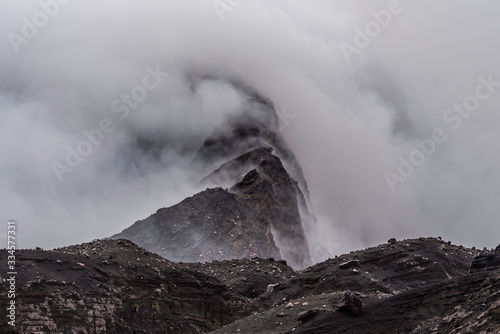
(212, 225)
(257, 217)
(113, 286)
(486, 261)
(257, 203)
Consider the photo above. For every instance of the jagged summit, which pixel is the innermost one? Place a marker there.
(256, 125)
(256, 201)
(256, 217)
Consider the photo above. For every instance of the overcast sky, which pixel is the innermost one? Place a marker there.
(361, 91)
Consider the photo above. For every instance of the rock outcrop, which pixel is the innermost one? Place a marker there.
(350, 304)
(113, 286)
(486, 261)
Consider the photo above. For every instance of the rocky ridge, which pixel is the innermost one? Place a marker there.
(113, 286)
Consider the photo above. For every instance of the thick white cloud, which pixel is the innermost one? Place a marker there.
(352, 120)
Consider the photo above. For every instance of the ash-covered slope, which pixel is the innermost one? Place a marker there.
(258, 203)
(413, 286)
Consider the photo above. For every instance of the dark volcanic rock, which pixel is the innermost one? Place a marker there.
(212, 225)
(114, 286)
(411, 286)
(386, 269)
(308, 315)
(273, 196)
(463, 305)
(350, 304)
(485, 261)
(248, 277)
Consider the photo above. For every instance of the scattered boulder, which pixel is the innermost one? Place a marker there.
(350, 304)
(392, 241)
(308, 315)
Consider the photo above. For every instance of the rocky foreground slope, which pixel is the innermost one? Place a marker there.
(113, 286)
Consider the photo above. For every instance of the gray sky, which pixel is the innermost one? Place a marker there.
(354, 115)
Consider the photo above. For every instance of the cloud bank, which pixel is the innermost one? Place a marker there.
(357, 114)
